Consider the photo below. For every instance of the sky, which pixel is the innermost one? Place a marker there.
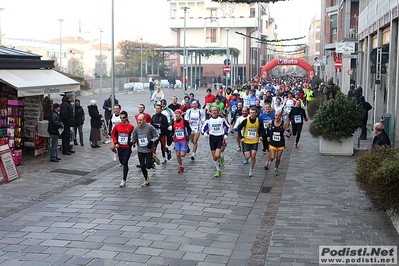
(133, 19)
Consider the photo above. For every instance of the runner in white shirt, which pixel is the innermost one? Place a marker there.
(289, 103)
(115, 119)
(245, 112)
(195, 118)
(218, 128)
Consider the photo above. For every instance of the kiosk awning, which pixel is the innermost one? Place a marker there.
(31, 82)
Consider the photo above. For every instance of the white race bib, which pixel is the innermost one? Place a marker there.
(217, 129)
(298, 119)
(234, 108)
(122, 138)
(143, 141)
(276, 136)
(194, 121)
(251, 133)
(265, 123)
(179, 133)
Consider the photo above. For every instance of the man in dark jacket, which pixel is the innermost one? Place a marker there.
(54, 124)
(160, 123)
(381, 137)
(367, 107)
(107, 106)
(79, 120)
(67, 118)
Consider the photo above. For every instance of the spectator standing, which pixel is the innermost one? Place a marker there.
(95, 123)
(151, 81)
(67, 118)
(107, 106)
(54, 125)
(367, 107)
(79, 120)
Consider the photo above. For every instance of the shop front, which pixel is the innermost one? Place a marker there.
(26, 97)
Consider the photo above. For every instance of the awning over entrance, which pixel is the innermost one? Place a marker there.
(31, 82)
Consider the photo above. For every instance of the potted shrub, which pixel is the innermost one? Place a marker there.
(335, 121)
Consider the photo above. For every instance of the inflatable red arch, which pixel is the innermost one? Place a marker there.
(288, 61)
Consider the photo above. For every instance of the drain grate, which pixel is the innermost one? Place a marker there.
(70, 172)
(265, 189)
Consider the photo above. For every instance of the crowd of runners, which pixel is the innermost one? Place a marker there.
(260, 112)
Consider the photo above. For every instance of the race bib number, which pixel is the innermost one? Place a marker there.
(143, 141)
(158, 130)
(122, 138)
(179, 133)
(251, 133)
(276, 136)
(207, 106)
(298, 119)
(265, 123)
(194, 122)
(217, 129)
(234, 108)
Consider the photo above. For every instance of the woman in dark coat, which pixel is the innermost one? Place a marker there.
(95, 123)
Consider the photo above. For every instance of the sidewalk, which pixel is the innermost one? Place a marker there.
(82, 217)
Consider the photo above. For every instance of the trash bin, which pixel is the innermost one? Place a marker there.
(387, 122)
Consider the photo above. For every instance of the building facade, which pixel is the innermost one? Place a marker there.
(222, 26)
(339, 41)
(378, 60)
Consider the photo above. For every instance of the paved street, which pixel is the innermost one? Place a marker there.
(74, 213)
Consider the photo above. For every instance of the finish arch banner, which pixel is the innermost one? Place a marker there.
(286, 62)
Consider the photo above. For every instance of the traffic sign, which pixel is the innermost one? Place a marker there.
(226, 69)
(338, 64)
(226, 62)
(350, 71)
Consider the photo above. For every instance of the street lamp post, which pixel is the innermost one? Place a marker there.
(184, 79)
(112, 56)
(60, 20)
(141, 59)
(101, 63)
(227, 54)
(243, 60)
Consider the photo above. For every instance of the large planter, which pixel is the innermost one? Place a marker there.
(332, 147)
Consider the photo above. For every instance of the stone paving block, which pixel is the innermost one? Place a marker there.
(194, 256)
(183, 262)
(129, 257)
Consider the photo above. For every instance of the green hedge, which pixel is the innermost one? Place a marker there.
(378, 174)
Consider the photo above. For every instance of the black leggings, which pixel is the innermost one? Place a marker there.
(296, 131)
(146, 162)
(124, 156)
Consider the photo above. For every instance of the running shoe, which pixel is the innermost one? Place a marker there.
(181, 170)
(267, 166)
(122, 184)
(192, 158)
(275, 172)
(157, 161)
(153, 166)
(164, 161)
(239, 148)
(245, 161)
(250, 174)
(296, 146)
(146, 182)
(169, 154)
(188, 149)
(222, 161)
(218, 173)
